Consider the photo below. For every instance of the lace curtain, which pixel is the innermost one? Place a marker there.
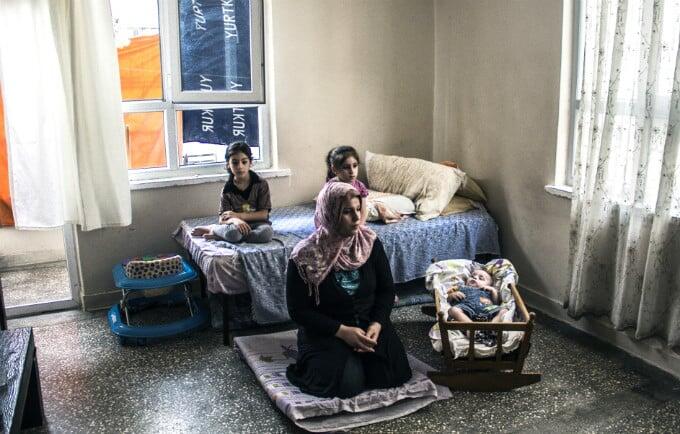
(625, 231)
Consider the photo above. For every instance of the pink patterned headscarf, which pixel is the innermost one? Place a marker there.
(358, 185)
(326, 250)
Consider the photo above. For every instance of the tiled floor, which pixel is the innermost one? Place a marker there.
(194, 384)
(35, 284)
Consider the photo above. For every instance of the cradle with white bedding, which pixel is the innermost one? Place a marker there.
(476, 366)
(259, 269)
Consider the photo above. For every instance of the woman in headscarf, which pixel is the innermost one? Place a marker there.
(340, 292)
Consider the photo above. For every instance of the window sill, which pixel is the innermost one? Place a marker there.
(200, 179)
(563, 191)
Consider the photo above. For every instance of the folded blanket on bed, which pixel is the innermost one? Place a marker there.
(264, 267)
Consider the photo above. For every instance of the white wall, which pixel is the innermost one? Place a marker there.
(30, 247)
(348, 72)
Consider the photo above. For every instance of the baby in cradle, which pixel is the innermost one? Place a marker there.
(477, 300)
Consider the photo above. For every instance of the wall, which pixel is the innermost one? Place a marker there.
(345, 72)
(497, 84)
(30, 247)
(497, 66)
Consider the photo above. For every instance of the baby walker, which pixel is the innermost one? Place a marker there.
(119, 313)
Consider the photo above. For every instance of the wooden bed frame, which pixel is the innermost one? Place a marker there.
(227, 333)
(501, 372)
(227, 338)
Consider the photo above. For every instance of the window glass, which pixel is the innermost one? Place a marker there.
(135, 24)
(215, 46)
(206, 133)
(145, 140)
(6, 218)
(188, 84)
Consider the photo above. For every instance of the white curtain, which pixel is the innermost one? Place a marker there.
(625, 231)
(64, 121)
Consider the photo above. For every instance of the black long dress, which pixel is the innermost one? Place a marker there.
(321, 355)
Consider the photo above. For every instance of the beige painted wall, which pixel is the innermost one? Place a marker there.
(30, 247)
(497, 70)
(351, 72)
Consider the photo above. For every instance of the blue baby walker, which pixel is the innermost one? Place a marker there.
(119, 313)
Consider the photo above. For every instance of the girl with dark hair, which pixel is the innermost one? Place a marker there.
(343, 166)
(342, 163)
(245, 202)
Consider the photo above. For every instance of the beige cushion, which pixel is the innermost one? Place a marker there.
(398, 202)
(458, 204)
(430, 185)
(471, 190)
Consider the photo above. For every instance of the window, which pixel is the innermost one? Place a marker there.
(644, 86)
(192, 81)
(573, 47)
(578, 53)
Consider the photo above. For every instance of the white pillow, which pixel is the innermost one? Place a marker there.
(397, 202)
(430, 185)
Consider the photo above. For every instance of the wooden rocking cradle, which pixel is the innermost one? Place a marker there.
(500, 372)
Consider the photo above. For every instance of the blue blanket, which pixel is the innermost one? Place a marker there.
(411, 246)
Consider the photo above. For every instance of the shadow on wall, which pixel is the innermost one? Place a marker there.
(510, 245)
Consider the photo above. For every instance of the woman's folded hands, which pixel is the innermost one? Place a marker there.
(357, 338)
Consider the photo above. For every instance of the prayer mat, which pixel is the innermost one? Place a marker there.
(269, 355)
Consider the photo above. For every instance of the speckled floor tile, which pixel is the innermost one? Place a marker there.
(194, 384)
(35, 284)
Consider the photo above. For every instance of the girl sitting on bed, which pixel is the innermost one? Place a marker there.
(340, 292)
(245, 202)
(343, 165)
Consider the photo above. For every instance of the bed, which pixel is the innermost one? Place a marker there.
(411, 246)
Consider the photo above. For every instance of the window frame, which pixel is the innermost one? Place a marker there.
(578, 53)
(172, 103)
(256, 96)
(569, 98)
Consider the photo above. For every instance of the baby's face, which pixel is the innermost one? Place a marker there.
(479, 279)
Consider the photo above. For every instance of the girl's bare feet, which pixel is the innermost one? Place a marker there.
(199, 231)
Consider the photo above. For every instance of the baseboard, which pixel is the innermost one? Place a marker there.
(39, 309)
(652, 350)
(24, 259)
(99, 301)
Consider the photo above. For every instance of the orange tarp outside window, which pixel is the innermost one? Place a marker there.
(145, 140)
(6, 218)
(140, 68)
(140, 78)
